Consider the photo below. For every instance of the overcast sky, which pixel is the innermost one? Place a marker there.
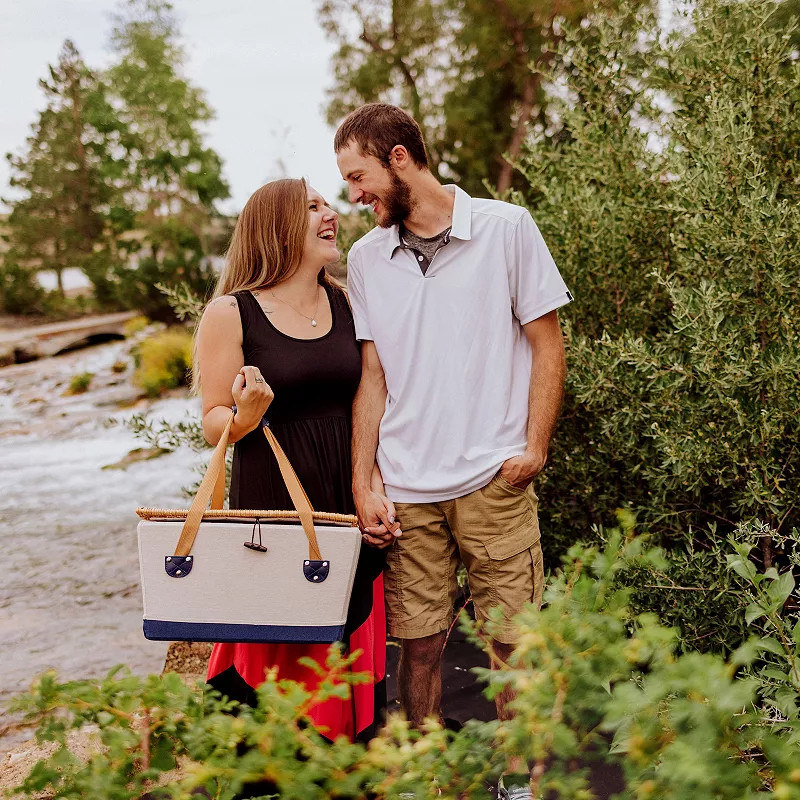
(264, 65)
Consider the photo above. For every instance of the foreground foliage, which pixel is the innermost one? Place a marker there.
(597, 685)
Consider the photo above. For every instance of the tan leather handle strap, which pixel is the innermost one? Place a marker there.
(297, 493)
(215, 471)
(218, 495)
(213, 487)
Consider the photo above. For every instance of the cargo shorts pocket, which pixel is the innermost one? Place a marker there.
(511, 578)
(506, 510)
(500, 548)
(508, 486)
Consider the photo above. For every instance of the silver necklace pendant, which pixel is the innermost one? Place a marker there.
(313, 323)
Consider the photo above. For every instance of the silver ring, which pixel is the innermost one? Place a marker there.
(259, 380)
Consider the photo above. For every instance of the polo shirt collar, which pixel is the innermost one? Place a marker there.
(462, 213)
(461, 227)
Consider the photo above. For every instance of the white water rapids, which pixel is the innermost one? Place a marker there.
(69, 575)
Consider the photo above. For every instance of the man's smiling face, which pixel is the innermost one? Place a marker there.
(372, 184)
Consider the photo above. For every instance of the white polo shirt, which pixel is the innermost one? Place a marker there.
(456, 358)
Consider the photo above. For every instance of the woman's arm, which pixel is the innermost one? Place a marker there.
(376, 480)
(224, 378)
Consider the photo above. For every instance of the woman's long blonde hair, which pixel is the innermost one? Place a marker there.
(266, 246)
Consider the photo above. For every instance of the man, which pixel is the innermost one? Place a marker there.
(455, 301)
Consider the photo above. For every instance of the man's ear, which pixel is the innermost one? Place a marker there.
(399, 157)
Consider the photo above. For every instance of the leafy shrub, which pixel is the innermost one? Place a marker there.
(80, 383)
(20, 292)
(684, 341)
(135, 325)
(595, 684)
(163, 361)
(183, 261)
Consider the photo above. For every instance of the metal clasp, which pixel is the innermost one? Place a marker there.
(251, 545)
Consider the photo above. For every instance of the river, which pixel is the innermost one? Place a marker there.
(69, 576)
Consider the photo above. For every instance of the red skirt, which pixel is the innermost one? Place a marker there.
(236, 670)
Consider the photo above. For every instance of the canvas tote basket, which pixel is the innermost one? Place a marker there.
(246, 575)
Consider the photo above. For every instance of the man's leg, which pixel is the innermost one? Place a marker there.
(503, 652)
(497, 531)
(420, 584)
(419, 677)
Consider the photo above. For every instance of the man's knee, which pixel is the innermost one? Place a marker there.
(502, 651)
(425, 652)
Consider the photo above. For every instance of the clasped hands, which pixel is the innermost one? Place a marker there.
(376, 513)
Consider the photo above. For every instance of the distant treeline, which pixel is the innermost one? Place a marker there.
(115, 178)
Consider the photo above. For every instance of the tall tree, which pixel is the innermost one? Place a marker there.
(387, 51)
(461, 67)
(174, 180)
(67, 175)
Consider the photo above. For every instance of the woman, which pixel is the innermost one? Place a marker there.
(279, 338)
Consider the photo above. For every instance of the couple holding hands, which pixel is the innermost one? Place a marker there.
(423, 400)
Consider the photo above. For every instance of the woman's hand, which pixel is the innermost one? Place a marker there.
(252, 395)
(376, 514)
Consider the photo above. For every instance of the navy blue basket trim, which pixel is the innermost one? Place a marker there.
(316, 571)
(178, 566)
(166, 631)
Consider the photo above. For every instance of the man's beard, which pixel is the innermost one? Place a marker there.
(398, 203)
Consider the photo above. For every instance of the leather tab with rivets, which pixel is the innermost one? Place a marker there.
(178, 566)
(316, 571)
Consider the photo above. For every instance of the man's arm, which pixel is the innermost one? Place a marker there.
(548, 368)
(375, 511)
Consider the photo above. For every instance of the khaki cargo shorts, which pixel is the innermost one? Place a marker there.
(494, 531)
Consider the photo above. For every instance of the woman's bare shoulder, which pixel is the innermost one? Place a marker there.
(222, 313)
(222, 308)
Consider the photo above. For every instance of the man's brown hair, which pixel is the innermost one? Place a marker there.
(378, 127)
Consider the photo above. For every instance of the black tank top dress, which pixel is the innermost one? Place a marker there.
(314, 381)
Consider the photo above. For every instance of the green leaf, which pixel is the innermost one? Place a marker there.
(742, 567)
(770, 644)
(775, 674)
(753, 612)
(781, 588)
(786, 701)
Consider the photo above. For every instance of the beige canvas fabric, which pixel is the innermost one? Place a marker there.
(232, 584)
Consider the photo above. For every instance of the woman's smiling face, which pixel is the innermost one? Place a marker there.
(323, 227)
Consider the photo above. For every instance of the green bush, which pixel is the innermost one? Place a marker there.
(163, 361)
(80, 383)
(174, 255)
(595, 683)
(20, 292)
(135, 325)
(684, 342)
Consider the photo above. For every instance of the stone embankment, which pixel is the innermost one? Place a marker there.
(20, 345)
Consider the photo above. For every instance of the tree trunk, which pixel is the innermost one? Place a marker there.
(527, 102)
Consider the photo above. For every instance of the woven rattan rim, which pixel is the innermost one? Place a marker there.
(244, 513)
